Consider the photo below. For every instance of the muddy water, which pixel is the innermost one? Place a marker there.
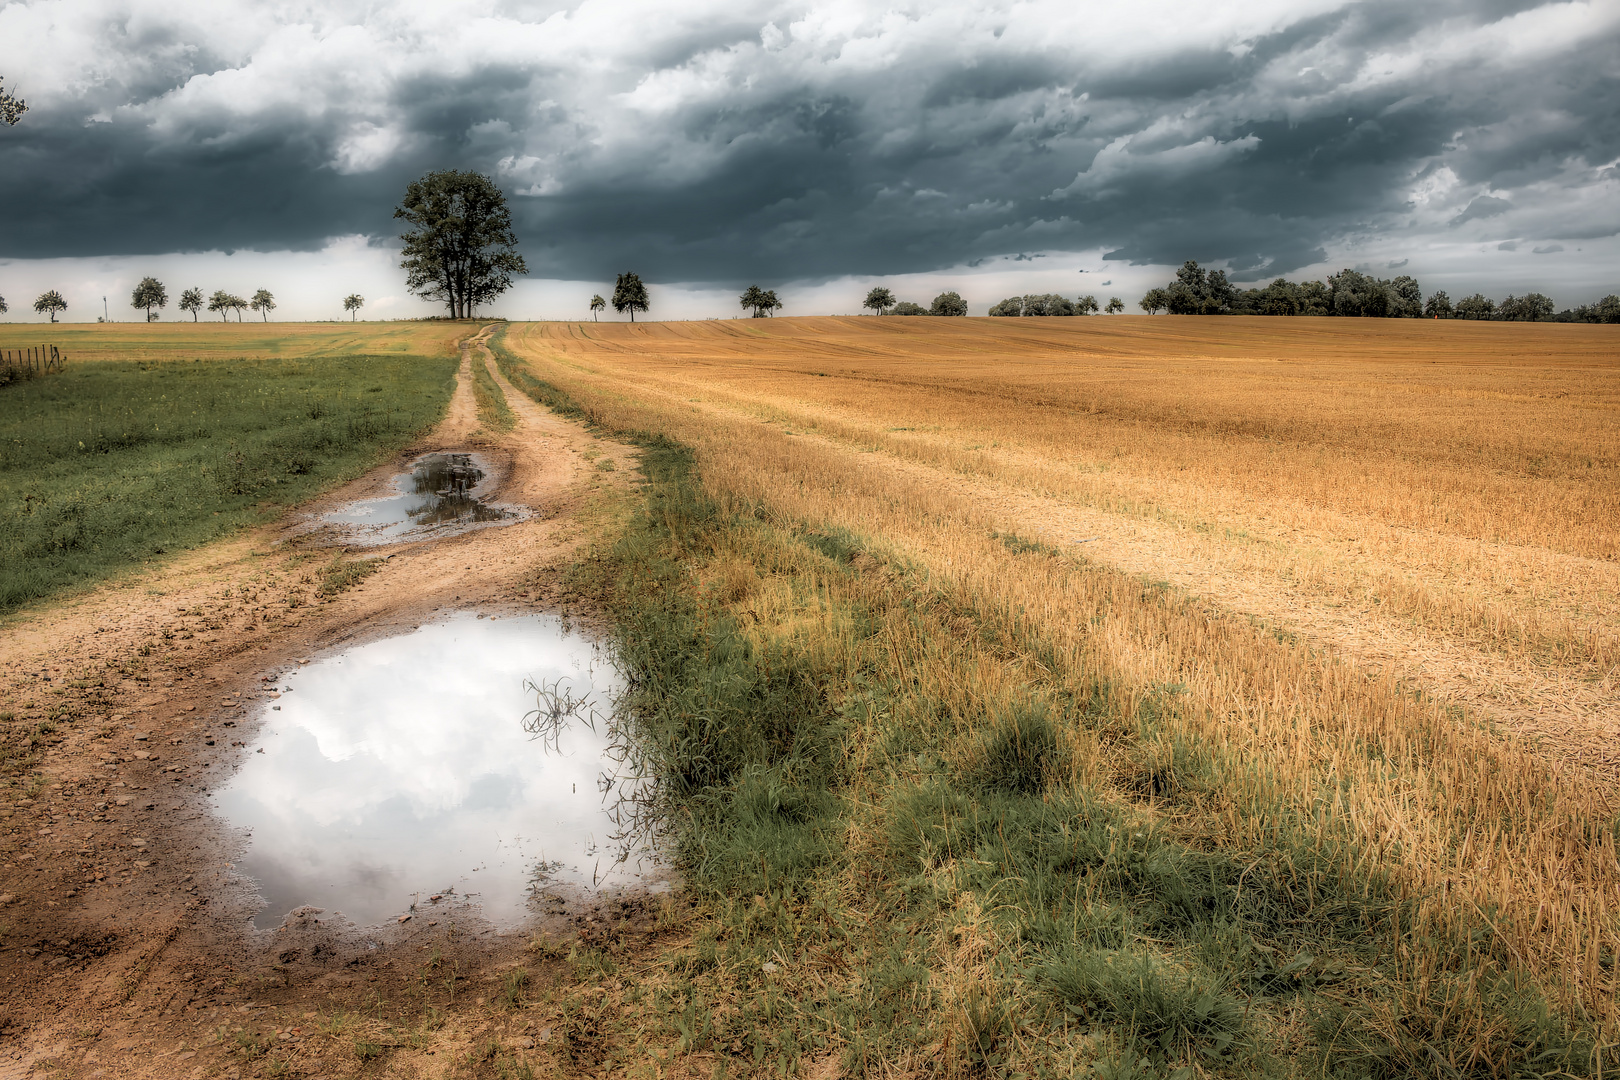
(440, 489)
(418, 765)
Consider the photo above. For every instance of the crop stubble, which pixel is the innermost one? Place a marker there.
(1394, 552)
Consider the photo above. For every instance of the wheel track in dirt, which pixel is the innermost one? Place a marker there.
(259, 617)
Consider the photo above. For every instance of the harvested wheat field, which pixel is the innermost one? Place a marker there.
(1286, 647)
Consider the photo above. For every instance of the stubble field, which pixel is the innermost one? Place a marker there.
(1110, 696)
(1234, 693)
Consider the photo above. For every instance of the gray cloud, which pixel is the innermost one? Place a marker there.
(801, 140)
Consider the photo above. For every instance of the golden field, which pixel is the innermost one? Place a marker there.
(1370, 569)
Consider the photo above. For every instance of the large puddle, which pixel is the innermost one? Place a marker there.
(440, 490)
(457, 760)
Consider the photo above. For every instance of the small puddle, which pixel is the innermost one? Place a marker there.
(440, 490)
(419, 765)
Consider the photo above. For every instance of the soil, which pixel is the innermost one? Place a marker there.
(126, 942)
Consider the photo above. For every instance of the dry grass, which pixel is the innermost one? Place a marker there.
(205, 339)
(1368, 521)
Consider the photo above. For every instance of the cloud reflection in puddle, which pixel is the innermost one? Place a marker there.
(401, 768)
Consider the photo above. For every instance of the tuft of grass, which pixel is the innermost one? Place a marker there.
(514, 989)
(343, 574)
(1141, 999)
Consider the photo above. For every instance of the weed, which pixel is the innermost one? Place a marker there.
(514, 989)
(342, 574)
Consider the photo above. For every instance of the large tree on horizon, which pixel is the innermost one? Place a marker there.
(879, 300)
(192, 300)
(629, 294)
(761, 302)
(461, 250)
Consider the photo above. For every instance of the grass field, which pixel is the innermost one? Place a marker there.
(1160, 697)
(155, 439)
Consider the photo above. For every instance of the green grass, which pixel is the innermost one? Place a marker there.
(494, 414)
(111, 463)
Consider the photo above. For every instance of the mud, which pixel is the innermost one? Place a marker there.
(127, 943)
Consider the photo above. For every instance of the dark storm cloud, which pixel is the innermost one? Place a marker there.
(801, 141)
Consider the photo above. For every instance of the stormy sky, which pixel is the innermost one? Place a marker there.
(1003, 147)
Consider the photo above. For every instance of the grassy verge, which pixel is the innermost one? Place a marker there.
(111, 463)
(494, 414)
(519, 375)
(917, 837)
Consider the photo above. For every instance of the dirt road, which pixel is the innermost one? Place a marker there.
(126, 942)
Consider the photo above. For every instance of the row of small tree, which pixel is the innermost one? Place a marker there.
(152, 293)
(1350, 293)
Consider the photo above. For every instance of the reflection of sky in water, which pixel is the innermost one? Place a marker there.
(402, 768)
(434, 492)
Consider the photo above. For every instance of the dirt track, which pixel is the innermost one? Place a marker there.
(126, 944)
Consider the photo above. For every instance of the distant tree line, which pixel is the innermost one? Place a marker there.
(152, 296)
(1035, 304)
(883, 302)
(1350, 293)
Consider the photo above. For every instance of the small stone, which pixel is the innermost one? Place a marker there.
(142, 755)
(139, 842)
(6, 898)
(523, 1043)
(142, 863)
(769, 967)
(404, 918)
(124, 800)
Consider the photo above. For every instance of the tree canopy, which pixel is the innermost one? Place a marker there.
(3, 306)
(149, 294)
(461, 250)
(761, 302)
(948, 303)
(629, 294)
(50, 302)
(224, 302)
(1349, 293)
(1036, 304)
(352, 304)
(192, 300)
(597, 304)
(11, 106)
(264, 302)
(879, 300)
